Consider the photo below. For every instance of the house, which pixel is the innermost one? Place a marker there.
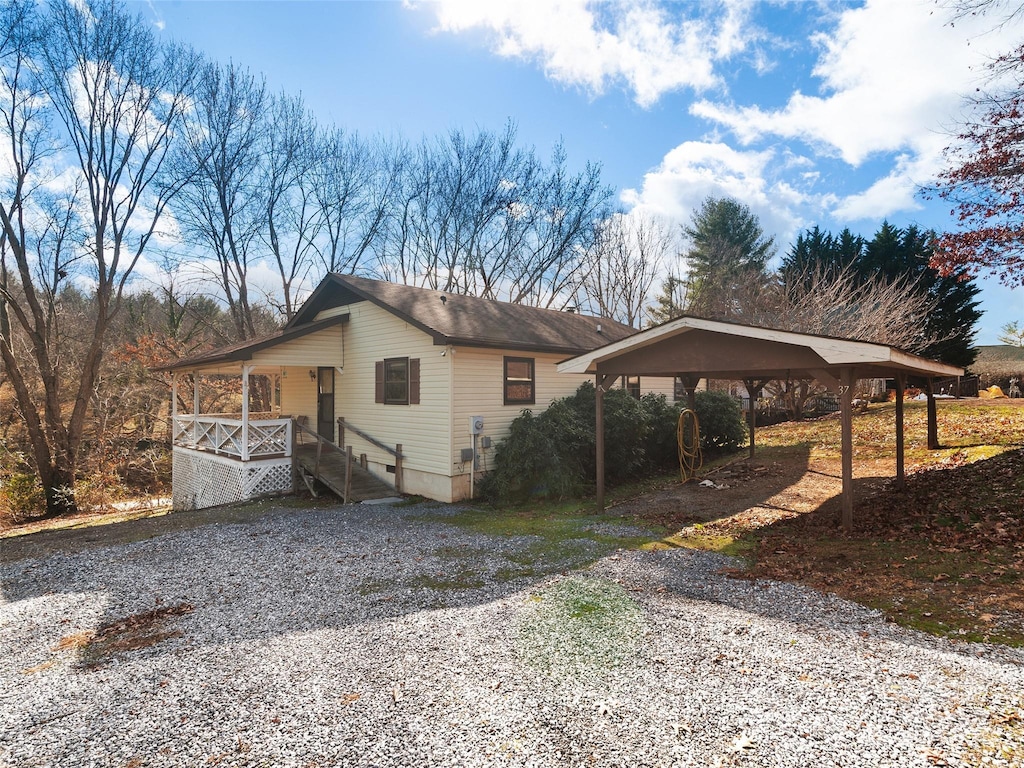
(420, 384)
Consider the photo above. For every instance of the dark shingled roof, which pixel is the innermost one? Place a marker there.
(460, 320)
(452, 318)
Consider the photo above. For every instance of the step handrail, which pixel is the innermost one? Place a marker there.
(396, 451)
(343, 424)
(347, 452)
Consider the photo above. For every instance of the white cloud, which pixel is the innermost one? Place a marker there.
(592, 44)
(696, 170)
(892, 75)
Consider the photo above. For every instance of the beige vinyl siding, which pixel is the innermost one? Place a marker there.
(478, 391)
(320, 348)
(661, 385)
(424, 430)
(658, 385)
(298, 393)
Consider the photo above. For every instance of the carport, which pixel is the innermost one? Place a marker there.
(693, 348)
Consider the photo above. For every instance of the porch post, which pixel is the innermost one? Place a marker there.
(174, 405)
(174, 394)
(195, 409)
(846, 405)
(689, 382)
(245, 412)
(752, 385)
(600, 380)
(901, 475)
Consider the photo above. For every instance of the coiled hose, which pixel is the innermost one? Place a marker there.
(688, 437)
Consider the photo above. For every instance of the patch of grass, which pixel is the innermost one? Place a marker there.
(723, 543)
(579, 626)
(555, 521)
(369, 587)
(447, 581)
(983, 430)
(563, 536)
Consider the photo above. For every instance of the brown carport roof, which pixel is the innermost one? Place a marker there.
(717, 349)
(695, 347)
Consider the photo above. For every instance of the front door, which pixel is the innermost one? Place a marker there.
(325, 403)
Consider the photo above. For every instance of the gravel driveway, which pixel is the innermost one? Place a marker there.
(383, 636)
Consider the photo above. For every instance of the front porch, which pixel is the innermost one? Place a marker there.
(226, 458)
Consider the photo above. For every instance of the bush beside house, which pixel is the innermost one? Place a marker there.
(553, 454)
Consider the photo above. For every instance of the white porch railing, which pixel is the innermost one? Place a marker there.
(224, 436)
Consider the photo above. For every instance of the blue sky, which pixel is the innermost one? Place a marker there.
(809, 112)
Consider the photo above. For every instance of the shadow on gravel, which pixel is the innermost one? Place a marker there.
(272, 571)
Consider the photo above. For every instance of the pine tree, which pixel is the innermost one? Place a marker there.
(728, 249)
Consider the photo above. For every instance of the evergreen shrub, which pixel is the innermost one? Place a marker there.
(553, 454)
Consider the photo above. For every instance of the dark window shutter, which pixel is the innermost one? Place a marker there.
(414, 381)
(379, 382)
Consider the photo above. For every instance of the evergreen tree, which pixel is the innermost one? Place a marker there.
(728, 250)
(893, 255)
(817, 254)
(670, 303)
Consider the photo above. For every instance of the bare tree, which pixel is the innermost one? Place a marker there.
(567, 207)
(839, 304)
(293, 217)
(627, 256)
(223, 209)
(477, 215)
(94, 99)
(354, 185)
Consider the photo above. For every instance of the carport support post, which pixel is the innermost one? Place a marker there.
(846, 405)
(752, 387)
(933, 417)
(901, 475)
(599, 383)
(689, 382)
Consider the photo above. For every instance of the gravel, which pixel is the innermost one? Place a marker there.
(382, 636)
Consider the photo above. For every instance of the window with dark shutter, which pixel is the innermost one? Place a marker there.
(520, 381)
(397, 381)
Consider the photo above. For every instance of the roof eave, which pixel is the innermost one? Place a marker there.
(213, 360)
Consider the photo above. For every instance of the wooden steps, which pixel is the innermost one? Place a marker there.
(331, 473)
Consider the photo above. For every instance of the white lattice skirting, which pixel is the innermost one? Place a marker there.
(202, 480)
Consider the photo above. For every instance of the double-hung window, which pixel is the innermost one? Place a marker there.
(398, 381)
(520, 381)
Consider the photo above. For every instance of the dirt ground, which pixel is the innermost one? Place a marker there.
(751, 493)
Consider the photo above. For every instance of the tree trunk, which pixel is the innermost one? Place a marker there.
(58, 484)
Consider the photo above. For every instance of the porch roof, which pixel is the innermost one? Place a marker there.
(228, 359)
